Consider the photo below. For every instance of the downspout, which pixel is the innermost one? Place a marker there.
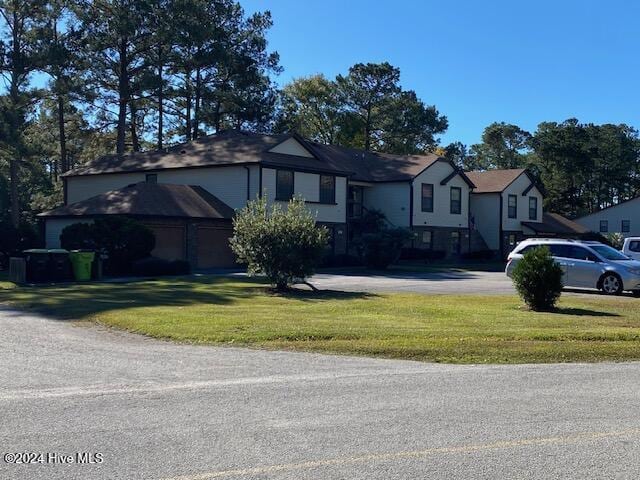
(413, 242)
(248, 182)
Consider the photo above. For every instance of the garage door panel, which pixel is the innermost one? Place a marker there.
(214, 250)
(170, 242)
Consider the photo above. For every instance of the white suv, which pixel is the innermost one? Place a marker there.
(586, 264)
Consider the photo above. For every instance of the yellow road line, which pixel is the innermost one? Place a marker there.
(380, 457)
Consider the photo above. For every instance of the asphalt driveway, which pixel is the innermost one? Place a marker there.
(446, 281)
(158, 410)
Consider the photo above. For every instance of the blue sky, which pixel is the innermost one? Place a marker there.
(516, 61)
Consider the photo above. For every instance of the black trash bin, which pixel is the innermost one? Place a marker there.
(37, 260)
(59, 265)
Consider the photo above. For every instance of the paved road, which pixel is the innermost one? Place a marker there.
(156, 410)
(446, 281)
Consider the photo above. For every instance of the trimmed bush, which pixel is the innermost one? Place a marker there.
(538, 279)
(284, 244)
(153, 266)
(379, 250)
(120, 239)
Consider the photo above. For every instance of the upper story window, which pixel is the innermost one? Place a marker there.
(626, 226)
(533, 208)
(512, 206)
(151, 178)
(456, 200)
(604, 226)
(284, 185)
(427, 197)
(327, 189)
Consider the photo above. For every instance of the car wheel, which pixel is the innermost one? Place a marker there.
(611, 284)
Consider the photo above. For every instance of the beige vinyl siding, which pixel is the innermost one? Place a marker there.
(291, 147)
(54, 226)
(614, 215)
(485, 209)
(87, 186)
(307, 185)
(392, 199)
(229, 184)
(441, 215)
(518, 186)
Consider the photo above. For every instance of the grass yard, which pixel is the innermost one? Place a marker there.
(440, 328)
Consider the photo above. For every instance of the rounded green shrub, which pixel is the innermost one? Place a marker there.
(538, 279)
(283, 243)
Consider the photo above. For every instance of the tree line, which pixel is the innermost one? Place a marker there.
(84, 78)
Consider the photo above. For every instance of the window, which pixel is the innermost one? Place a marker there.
(609, 253)
(626, 226)
(579, 253)
(604, 226)
(284, 185)
(634, 246)
(455, 242)
(533, 208)
(427, 197)
(151, 178)
(327, 189)
(512, 206)
(427, 239)
(561, 251)
(456, 201)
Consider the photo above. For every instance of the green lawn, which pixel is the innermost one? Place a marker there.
(441, 328)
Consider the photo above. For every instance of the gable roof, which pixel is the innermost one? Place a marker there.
(149, 200)
(556, 224)
(241, 148)
(494, 181)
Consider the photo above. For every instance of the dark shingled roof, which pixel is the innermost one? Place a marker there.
(149, 200)
(241, 148)
(494, 181)
(556, 224)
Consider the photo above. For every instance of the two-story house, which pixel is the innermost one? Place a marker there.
(188, 194)
(504, 205)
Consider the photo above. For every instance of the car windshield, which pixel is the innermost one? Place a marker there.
(608, 252)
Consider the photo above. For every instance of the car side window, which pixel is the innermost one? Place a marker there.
(580, 253)
(561, 251)
(634, 246)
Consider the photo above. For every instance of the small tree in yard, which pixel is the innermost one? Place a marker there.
(285, 244)
(538, 279)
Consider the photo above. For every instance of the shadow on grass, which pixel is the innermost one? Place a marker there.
(77, 301)
(583, 312)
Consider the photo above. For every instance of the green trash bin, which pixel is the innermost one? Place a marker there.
(81, 261)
